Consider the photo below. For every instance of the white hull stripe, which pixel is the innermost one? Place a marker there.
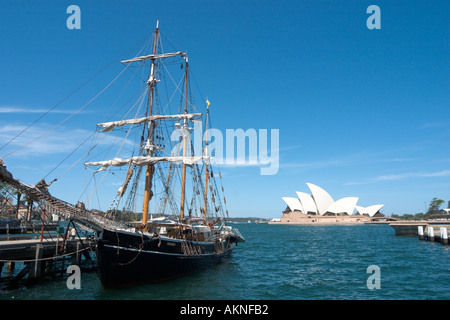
(163, 253)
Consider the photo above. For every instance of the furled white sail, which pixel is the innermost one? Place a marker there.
(123, 188)
(143, 161)
(108, 126)
(154, 56)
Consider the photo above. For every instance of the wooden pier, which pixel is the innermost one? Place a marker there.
(37, 255)
(434, 231)
(42, 257)
(407, 228)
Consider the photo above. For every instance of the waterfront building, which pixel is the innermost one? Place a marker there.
(319, 207)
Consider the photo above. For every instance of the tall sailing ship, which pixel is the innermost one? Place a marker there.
(183, 227)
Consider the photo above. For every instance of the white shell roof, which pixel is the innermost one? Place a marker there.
(321, 202)
(370, 210)
(346, 205)
(307, 202)
(322, 199)
(293, 203)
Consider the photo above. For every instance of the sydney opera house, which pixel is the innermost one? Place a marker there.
(320, 208)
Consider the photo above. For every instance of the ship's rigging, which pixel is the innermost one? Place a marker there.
(155, 151)
(150, 155)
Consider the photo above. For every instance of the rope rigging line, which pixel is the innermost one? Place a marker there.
(71, 93)
(123, 142)
(95, 145)
(76, 112)
(50, 110)
(221, 182)
(68, 157)
(178, 89)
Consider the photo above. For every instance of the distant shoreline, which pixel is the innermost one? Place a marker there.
(330, 223)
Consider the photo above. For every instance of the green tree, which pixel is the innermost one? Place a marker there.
(434, 206)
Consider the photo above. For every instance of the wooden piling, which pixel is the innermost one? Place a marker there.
(11, 265)
(430, 233)
(76, 258)
(444, 235)
(420, 232)
(35, 271)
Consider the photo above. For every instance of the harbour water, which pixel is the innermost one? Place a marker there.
(283, 262)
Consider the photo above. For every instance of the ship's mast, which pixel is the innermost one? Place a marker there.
(206, 165)
(183, 173)
(149, 159)
(148, 193)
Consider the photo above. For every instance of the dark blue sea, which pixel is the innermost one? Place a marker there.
(280, 262)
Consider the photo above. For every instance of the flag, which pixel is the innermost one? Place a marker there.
(207, 102)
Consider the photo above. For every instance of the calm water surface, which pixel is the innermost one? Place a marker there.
(291, 262)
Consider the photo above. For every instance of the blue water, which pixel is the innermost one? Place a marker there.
(292, 262)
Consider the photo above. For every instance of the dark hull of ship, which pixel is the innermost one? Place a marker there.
(126, 259)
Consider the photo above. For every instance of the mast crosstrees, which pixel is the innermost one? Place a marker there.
(152, 153)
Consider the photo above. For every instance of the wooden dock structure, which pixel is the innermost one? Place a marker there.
(434, 231)
(407, 228)
(37, 254)
(41, 257)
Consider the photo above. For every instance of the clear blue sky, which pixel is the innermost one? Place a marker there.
(361, 112)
